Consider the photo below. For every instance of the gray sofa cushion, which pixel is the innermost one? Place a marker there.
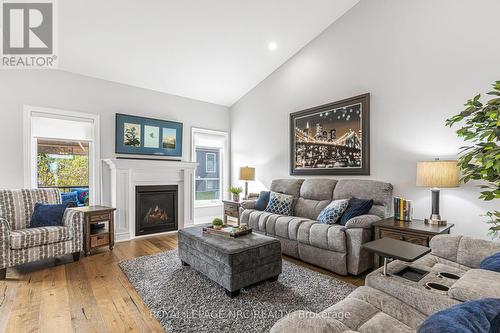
(305, 321)
(380, 192)
(284, 226)
(310, 208)
(287, 186)
(466, 251)
(323, 236)
(362, 221)
(475, 284)
(372, 310)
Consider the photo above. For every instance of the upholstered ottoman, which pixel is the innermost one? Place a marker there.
(233, 263)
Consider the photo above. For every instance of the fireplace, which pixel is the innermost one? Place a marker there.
(155, 209)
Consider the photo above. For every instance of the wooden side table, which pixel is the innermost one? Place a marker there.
(96, 238)
(416, 232)
(231, 208)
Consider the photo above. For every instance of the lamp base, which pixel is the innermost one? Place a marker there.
(434, 221)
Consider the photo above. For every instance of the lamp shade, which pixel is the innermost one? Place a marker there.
(437, 174)
(247, 173)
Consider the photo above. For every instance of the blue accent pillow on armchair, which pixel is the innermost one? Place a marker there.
(480, 316)
(491, 263)
(262, 200)
(355, 208)
(45, 215)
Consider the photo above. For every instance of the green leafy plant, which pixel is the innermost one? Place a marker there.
(217, 222)
(480, 160)
(235, 190)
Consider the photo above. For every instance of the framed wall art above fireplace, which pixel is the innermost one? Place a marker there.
(331, 139)
(147, 136)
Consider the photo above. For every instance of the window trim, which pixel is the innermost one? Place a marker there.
(30, 146)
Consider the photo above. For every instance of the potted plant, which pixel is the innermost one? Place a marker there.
(217, 223)
(479, 160)
(236, 191)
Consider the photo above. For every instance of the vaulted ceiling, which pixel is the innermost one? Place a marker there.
(210, 50)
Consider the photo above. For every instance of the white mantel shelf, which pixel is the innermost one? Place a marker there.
(121, 176)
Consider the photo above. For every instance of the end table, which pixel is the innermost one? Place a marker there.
(231, 208)
(415, 231)
(94, 215)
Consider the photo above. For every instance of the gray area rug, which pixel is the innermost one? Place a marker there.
(184, 300)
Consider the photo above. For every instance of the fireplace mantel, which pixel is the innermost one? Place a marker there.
(121, 176)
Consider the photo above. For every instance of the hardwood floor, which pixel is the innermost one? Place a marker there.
(92, 295)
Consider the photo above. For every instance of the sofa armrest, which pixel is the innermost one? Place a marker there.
(248, 204)
(4, 242)
(305, 321)
(362, 221)
(74, 219)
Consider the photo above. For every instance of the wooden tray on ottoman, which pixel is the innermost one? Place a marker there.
(226, 231)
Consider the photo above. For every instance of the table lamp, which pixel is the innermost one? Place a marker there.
(437, 174)
(247, 174)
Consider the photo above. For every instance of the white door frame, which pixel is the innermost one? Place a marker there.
(30, 148)
(224, 157)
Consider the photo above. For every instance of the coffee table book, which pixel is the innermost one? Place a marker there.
(226, 231)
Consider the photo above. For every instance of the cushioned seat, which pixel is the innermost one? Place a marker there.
(324, 236)
(365, 310)
(25, 238)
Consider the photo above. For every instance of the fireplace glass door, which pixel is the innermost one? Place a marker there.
(156, 209)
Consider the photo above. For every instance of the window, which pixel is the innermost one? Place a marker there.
(61, 150)
(210, 163)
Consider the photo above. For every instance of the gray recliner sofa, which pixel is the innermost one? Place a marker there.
(393, 304)
(333, 247)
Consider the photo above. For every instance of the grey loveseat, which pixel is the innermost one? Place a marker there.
(333, 247)
(389, 304)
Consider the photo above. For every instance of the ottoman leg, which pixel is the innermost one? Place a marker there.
(232, 294)
(184, 263)
(274, 278)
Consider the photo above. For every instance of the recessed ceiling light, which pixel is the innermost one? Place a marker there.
(272, 46)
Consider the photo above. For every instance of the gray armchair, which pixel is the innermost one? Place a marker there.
(20, 244)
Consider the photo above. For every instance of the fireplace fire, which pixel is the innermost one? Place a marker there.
(156, 209)
(156, 216)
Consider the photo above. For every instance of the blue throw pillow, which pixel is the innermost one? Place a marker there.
(82, 194)
(262, 200)
(69, 197)
(355, 208)
(479, 316)
(491, 263)
(332, 213)
(45, 215)
(280, 203)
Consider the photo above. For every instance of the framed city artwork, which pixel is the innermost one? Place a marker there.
(147, 136)
(331, 139)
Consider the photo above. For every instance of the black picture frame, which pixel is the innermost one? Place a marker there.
(320, 154)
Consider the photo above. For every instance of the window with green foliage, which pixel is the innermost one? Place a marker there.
(62, 164)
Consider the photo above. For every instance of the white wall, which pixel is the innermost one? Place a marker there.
(62, 90)
(420, 60)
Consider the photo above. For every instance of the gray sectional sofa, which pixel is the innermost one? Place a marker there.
(333, 247)
(393, 304)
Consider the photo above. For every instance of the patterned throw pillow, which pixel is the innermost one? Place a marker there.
(280, 203)
(332, 213)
